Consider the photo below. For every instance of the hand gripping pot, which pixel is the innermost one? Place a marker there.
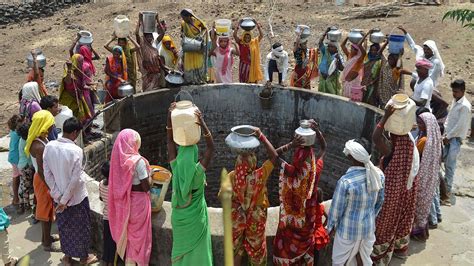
(402, 120)
(242, 139)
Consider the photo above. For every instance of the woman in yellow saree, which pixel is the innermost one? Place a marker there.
(193, 28)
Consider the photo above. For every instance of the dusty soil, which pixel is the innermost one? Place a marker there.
(55, 34)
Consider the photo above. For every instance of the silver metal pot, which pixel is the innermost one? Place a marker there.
(305, 131)
(377, 36)
(248, 24)
(175, 78)
(192, 45)
(304, 30)
(149, 21)
(355, 35)
(125, 89)
(40, 59)
(242, 139)
(86, 37)
(334, 35)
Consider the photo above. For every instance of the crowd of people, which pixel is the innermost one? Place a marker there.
(375, 211)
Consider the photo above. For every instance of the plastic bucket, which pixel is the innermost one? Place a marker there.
(161, 179)
(223, 26)
(395, 43)
(149, 21)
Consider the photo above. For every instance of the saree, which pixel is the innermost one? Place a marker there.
(118, 68)
(189, 217)
(170, 55)
(193, 62)
(249, 208)
(328, 80)
(428, 174)
(150, 66)
(353, 89)
(129, 211)
(131, 65)
(370, 80)
(306, 70)
(249, 66)
(71, 94)
(294, 241)
(394, 222)
(389, 83)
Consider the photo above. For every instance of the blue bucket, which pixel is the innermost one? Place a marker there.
(395, 45)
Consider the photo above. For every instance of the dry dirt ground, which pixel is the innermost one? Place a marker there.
(55, 34)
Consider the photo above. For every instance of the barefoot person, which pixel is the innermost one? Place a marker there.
(41, 125)
(356, 202)
(62, 163)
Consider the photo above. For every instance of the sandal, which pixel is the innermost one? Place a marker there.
(90, 260)
(55, 247)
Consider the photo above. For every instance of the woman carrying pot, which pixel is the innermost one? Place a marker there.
(189, 218)
(115, 72)
(354, 69)
(130, 55)
(330, 66)
(249, 66)
(250, 203)
(222, 52)
(294, 243)
(193, 30)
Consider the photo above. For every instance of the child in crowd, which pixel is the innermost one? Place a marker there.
(5, 249)
(109, 248)
(321, 237)
(26, 167)
(13, 158)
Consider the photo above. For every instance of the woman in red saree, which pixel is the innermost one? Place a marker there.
(37, 74)
(294, 241)
(306, 68)
(129, 199)
(250, 203)
(115, 72)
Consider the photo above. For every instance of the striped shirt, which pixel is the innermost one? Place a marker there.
(353, 208)
(104, 195)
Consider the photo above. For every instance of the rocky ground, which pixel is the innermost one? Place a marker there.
(55, 33)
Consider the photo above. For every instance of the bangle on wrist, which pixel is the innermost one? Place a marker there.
(208, 134)
(262, 137)
(380, 125)
(169, 128)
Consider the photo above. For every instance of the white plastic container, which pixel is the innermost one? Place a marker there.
(186, 131)
(64, 115)
(149, 21)
(161, 178)
(223, 26)
(402, 120)
(121, 26)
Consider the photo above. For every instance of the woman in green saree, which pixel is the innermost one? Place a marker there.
(189, 218)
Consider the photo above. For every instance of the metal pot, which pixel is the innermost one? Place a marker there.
(304, 30)
(149, 21)
(305, 131)
(242, 139)
(175, 78)
(40, 59)
(355, 35)
(86, 37)
(248, 24)
(125, 89)
(334, 35)
(192, 45)
(377, 36)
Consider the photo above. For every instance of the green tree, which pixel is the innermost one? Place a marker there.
(464, 16)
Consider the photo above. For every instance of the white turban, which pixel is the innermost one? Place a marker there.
(373, 173)
(278, 52)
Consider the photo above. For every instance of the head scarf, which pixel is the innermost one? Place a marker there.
(424, 63)
(183, 174)
(226, 53)
(242, 37)
(373, 173)
(123, 161)
(164, 49)
(87, 54)
(375, 57)
(40, 125)
(30, 92)
(117, 48)
(432, 45)
(278, 52)
(245, 165)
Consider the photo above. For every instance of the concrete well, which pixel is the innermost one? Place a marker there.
(225, 106)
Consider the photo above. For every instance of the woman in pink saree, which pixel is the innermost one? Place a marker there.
(129, 199)
(353, 71)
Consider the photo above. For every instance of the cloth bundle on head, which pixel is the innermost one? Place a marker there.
(30, 92)
(432, 45)
(358, 152)
(424, 63)
(278, 51)
(40, 125)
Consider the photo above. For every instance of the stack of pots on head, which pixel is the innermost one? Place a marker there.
(403, 119)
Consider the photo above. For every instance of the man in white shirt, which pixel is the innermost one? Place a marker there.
(62, 163)
(456, 128)
(423, 89)
(276, 61)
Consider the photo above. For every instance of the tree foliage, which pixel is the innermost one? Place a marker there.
(464, 16)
